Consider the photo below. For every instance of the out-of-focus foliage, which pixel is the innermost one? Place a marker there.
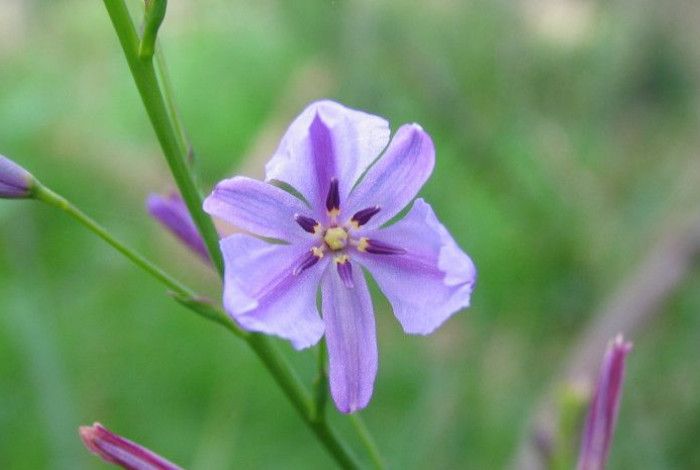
(567, 139)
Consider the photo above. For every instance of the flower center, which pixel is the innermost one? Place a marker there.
(336, 238)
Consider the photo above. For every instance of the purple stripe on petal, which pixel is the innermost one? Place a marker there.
(260, 208)
(15, 181)
(430, 282)
(262, 293)
(602, 413)
(120, 451)
(356, 139)
(172, 214)
(324, 161)
(398, 175)
(351, 339)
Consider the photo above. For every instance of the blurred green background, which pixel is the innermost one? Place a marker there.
(567, 139)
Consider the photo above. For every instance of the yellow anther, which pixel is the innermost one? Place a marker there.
(317, 251)
(336, 238)
(317, 229)
(335, 212)
(362, 244)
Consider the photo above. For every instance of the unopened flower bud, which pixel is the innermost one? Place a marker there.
(171, 212)
(120, 451)
(602, 412)
(15, 181)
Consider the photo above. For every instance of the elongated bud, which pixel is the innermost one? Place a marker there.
(602, 412)
(172, 214)
(123, 452)
(15, 181)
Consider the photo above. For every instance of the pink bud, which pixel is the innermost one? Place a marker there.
(120, 451)
(602, 413)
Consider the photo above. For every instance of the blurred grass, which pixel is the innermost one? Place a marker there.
(567, 137)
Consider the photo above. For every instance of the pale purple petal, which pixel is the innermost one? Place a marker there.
(327, 140)
(15, 181)
(263, 293)
(431, 281)
(171, 212)
(351, 339)
(396, 178)
(602, 412)
(260, 208)
(121, 451)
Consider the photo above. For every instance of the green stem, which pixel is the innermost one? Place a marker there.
(166, 84)
(143, 72)
(46, 195)
(180, 292)
(297, 394)
(367, 441)
(321, 383)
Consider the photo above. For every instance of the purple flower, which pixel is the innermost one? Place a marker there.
(15, 181)
(602, 413)
(335, 233)
(120, 451)
(172, 214)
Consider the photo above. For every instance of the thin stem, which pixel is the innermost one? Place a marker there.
(48, 196)
(143, 72)
(167, 87)
(321, 383)
(297, 394)
(180, 292)
(367, 441)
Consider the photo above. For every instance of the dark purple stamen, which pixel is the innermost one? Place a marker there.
(307, 223)
(333, 198)
(363, 216)
(380, 248)
(345, 271)
(306, 262)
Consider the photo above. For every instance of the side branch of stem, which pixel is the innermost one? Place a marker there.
(146, 80)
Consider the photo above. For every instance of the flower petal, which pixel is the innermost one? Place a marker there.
(351, 339)
(431, 281)
(327, 140)
(396, 178)
(262, 293)
(260, 208)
